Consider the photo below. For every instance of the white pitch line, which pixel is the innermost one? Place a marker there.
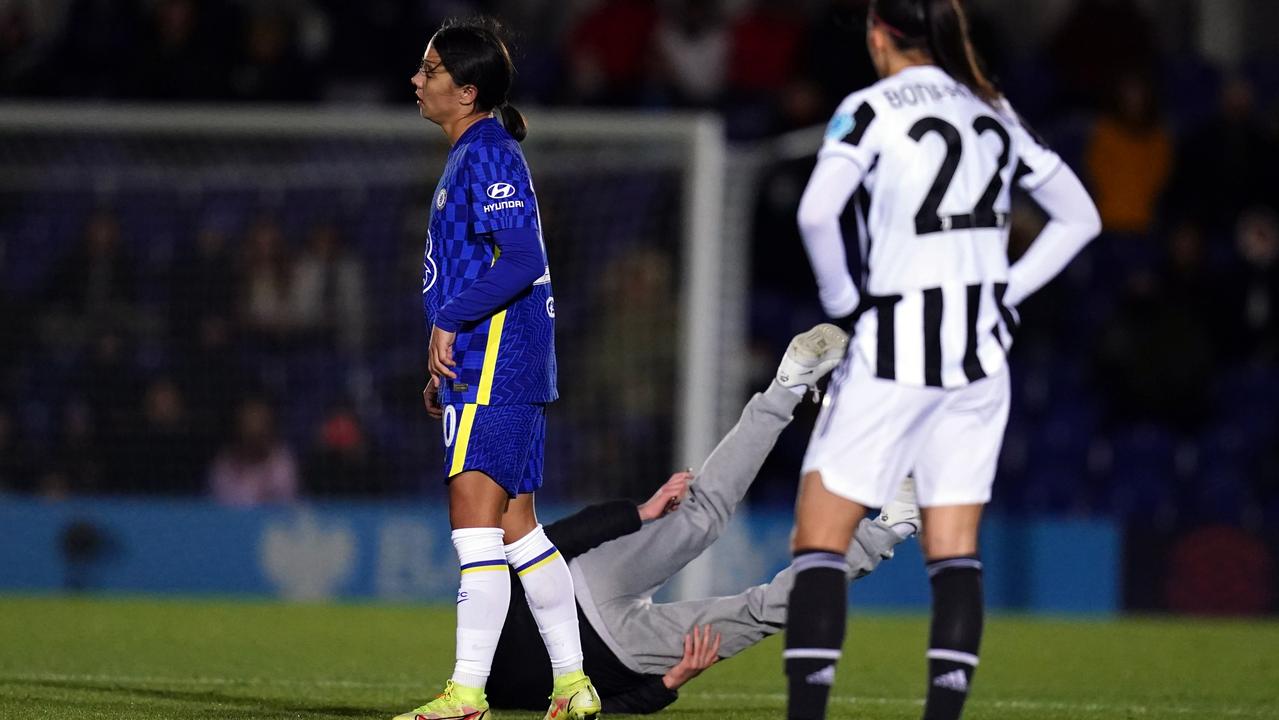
(203, 680)
(1027, 705)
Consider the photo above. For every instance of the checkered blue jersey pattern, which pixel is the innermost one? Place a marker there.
(509, 356)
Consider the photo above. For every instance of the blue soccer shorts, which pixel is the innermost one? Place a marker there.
(505, 442)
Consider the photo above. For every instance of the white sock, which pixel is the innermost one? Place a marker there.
(549, 589)
(482, 601)
(799, 390)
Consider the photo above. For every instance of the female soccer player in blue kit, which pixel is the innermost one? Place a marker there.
(486, 291)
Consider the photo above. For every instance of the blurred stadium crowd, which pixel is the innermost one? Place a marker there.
(1147, 377)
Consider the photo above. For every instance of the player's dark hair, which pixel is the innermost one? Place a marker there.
(474, 53)
(940, 28)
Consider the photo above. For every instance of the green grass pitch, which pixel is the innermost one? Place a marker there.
(106, 658)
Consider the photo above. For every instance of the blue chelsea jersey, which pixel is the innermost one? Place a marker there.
(509, 356)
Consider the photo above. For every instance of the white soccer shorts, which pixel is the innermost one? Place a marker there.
(872, 432)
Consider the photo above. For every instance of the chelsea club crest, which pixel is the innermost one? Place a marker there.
(440, 197)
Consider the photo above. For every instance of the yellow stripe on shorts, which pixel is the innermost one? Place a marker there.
(463, 439)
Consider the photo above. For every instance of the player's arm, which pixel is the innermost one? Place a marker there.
(845, 155)
(1073, 221)
(597, 524)
(701, 650)
(519, 264)
(648, 697)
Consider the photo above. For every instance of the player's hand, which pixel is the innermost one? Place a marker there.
(440, 354)
(667, 498)
(431, 398)
(701, 650)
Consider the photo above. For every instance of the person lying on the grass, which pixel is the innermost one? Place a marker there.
(638, 653)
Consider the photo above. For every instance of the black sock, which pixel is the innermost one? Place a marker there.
(955, 636)
(816, 614)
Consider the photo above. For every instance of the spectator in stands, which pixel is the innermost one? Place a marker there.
(691, 50)
(92, 287)
(1154, 355)
(211, 376)
(109, 387)
(764, 54)
(265, 291)
(343, 460)
(164, 453)
(631, 366)
(609, 52)
(76, 465)
(271, 67)
(1229, 164)
(1252, 298)
(1129, 158)
(1099, 42)
(97, 47)
(837, 62)
(177, 59)
(15, 458)
(14, 334)
(22, 51)
(256, 466)
(202, 282)
(328, 296)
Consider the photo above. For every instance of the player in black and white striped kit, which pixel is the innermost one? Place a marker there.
(927, 158)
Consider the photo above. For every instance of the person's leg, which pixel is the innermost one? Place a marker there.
(955, 472)
(818, 601)
(638, 564)
(954, 638)
(863, 445)
(484, 593)
(653, 633)
(548, 586)
(484, 459)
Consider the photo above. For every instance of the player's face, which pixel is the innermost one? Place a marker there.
(438, 98)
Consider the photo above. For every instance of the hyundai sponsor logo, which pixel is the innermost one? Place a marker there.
(500, 191)
(504, 205)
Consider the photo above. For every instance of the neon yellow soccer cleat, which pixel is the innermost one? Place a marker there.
(574, 698)
(457, 702)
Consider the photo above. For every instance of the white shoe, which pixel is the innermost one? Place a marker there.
(902, 512)
(812, 355)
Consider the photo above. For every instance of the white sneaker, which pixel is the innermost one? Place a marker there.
(902, 512)
(812, 355)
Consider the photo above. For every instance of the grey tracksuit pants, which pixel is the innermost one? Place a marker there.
(615, 582)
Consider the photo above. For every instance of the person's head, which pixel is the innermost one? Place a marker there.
(467, 71)
(900, 33)
(102, 234)
(325, 240)
(162, 404)
(1257, 237)
(255, 427)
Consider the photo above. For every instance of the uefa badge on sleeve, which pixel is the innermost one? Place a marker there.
(440, 198)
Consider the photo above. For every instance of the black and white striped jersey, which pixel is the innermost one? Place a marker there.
(928, 168)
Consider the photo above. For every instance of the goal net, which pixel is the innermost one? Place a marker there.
(184, 285)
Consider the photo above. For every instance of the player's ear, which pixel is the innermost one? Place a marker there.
(467, 94)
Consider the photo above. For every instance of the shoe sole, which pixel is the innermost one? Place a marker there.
(825, 340)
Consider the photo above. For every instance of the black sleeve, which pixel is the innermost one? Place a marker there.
(593, 526)
(649, 697)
